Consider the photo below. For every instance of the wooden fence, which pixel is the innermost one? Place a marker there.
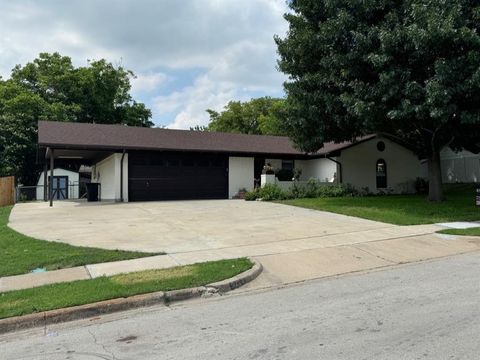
(7, 190)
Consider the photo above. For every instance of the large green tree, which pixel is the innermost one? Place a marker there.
(408, 68)
(51, 88)
(263, 116)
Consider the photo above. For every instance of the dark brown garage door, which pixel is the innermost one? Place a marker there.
(177, 176)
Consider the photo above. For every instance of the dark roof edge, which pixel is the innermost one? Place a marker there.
(161, 128)
(136, 148)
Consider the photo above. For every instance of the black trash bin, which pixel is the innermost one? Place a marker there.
(93, 191)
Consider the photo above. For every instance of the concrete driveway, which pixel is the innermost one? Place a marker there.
(292, 243)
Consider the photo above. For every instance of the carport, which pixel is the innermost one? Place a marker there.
(62, 156)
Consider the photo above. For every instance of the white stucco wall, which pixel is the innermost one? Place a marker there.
(73, 182)
(321, 169)
(359, 166)
(462, 166)
(240, 174)
(107, 173)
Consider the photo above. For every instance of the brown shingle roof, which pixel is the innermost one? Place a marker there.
(67, 135)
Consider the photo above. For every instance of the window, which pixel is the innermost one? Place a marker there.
(381, 146)
(288, 164)
(381, 172)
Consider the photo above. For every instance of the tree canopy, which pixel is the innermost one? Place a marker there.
(264, 116)
(408, 68)
(51, 88)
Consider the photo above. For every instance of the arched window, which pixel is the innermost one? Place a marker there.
(381, 170)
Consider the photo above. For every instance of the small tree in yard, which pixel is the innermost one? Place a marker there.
(407, 68)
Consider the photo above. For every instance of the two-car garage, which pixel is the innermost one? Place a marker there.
(177, 176)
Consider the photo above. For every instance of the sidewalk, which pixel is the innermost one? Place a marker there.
(86, 272)
(287, 261)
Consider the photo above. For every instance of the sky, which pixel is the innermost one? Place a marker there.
(188, 55)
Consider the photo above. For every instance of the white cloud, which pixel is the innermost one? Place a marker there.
(193, 101)
(244, 68)
(148, 82)
(230, 41)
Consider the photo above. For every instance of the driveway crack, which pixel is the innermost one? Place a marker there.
(372, 254)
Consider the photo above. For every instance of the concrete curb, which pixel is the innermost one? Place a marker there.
(238, 280)
(43, 319)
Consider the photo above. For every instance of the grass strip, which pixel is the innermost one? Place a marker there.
(57, 296)
(465, 232)
(20, 254)
(401, 209)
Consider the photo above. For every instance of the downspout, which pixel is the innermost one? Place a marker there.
(339, 167)
(45, 181)
(121, 176)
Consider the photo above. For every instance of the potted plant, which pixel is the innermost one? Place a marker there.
(268, 169)
(241, 193)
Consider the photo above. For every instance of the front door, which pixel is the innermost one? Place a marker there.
(259, 163)
(60, 187)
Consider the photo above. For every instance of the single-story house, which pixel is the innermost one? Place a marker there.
(141, 164)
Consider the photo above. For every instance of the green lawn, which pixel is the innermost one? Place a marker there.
(467, 232)
(402, 209)
(21, 254)
(62, 295)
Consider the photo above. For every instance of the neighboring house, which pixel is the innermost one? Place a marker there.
(140, 164)
(460, 167)
(65, 184)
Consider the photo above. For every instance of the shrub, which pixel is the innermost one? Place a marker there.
(308, 190)
(336, 190)
(311, 189)
(269, 192)
(421, 186)
(365, 191)
(314, 188)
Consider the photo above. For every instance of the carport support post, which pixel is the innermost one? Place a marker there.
(45, 180)
(50, 185)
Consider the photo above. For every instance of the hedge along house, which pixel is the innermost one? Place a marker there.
(142, 164)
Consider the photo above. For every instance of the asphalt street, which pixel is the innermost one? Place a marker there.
(428, 310)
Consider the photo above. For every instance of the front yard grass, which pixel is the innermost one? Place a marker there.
(466, 232)
(56, 296)
(402, 209)
(20, 254)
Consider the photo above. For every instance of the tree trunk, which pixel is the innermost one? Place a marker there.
(435, 186)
